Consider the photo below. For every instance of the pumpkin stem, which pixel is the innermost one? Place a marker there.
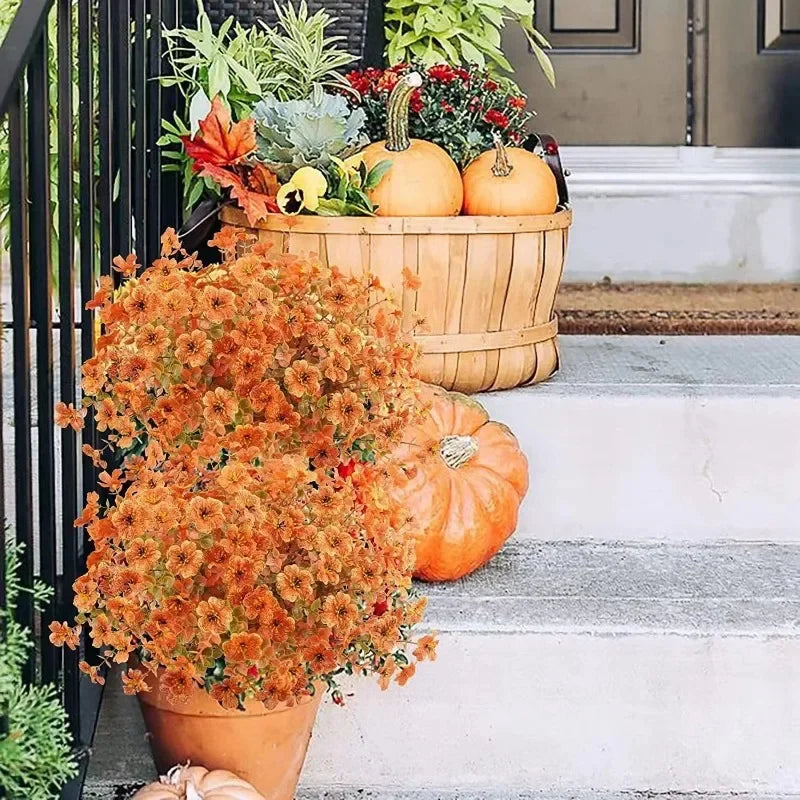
(455, 451)
(502, 166)
(397, 114)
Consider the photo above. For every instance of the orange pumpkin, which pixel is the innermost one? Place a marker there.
(198, 783)
(507, 182)
(423, 180)
(467, 477)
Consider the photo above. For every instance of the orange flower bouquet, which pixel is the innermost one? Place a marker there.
(247, 544)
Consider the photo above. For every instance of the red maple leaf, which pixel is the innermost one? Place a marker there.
(255, 205)
(219, 142)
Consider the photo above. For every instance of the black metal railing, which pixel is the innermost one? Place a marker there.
(81, 109)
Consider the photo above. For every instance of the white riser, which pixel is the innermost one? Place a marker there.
(687, 214)
(562, 712)
(696, 438)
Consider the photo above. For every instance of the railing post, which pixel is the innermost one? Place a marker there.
(41, 288)
(66, 351)
(20, 303)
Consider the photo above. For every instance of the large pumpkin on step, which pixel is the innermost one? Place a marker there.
(423, 180)
(198, 783)
(467, 478)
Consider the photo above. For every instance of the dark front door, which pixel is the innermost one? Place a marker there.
(667, 72)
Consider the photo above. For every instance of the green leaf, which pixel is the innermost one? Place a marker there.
(332, 207)
(544, 63)
(219, 80)
(199, 107)
(195, 194)
(491, 35)
(409, 38)
(520, 7)
(493, 16)
(374, 176)
(472, 54)
(452, 53)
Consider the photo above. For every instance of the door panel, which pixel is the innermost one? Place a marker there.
(620, 70)
(754, 73)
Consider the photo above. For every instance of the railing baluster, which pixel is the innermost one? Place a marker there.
(20, 303)
(171, 200)
(140, 127)
(121, 125)
(105, 183)
(154, 132)
(86, 202)
(66, 354)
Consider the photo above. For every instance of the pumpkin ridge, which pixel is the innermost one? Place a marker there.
(486, 470)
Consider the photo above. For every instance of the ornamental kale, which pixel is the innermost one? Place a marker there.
(306, 133)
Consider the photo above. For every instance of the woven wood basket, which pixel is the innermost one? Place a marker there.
(488, 285)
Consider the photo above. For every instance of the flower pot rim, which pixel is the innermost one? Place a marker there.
(401, 225)
(202, 704)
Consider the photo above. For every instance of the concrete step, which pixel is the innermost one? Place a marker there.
(640, 437)
(567, 670)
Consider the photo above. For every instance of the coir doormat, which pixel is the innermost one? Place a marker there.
(669, 308)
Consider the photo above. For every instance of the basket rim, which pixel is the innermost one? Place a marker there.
(401, 225)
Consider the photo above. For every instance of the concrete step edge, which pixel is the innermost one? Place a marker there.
(104, 790)
(621, 588)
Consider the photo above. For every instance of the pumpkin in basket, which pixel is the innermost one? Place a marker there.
(198, 783)
(466, 479)
(423, 180)
(509, 181)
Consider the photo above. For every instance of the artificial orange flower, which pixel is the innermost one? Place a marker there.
(214, 616)
(126, 266)
(219, 407)
(66, 415)
(193, 349)
(345, 409)
(406, 673)
(134, 681)
(113, 482)
(226, 694)
(217, 304)
(95, 676)
(206, 513)
(170, 243)
(411, 280)
(301, 378)
(426, 648)
(242, 647)
(178, 683)
(61, 634)
(142, 554)
(184, 559)
(339, 611)
(95, 455)
(295, 583)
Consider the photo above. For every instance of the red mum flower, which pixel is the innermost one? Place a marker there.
(495, 117)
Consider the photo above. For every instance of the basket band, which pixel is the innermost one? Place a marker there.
(490, 340)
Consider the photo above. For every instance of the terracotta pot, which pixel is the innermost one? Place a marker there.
(266, 748)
